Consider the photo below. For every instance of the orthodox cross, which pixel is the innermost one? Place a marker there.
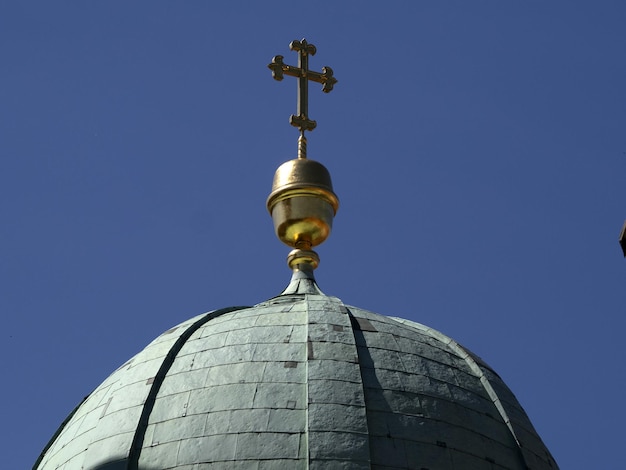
(303, 74)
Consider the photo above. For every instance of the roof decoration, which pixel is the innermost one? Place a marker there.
(302, 202)
(303, 74)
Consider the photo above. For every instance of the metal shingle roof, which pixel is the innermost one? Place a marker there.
(299, 381)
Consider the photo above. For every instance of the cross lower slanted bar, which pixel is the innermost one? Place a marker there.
(279, 68)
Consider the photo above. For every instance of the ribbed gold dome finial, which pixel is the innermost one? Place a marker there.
(302, 202)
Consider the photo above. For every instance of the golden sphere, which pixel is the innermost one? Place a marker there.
(302, 203)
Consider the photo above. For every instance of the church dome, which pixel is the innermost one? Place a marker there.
(299, 381)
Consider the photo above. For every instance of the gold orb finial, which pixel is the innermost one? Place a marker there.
(302, 202)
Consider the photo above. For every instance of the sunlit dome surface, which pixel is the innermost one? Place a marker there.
(299, 381)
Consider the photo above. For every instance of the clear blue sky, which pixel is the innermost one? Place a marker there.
(478, 150)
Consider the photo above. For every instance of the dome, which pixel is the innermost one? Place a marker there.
(299, 381)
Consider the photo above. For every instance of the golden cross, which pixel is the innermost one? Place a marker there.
(301, 119)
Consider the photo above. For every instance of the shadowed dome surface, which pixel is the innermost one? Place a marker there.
(299, 381)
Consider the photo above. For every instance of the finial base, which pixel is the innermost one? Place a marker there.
(299, 257)
(302, 278)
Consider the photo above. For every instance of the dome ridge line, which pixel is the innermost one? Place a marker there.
(58, 432)
(473, 363)
(168, 361)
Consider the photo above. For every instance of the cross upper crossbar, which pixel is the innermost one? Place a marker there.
(279, 69)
